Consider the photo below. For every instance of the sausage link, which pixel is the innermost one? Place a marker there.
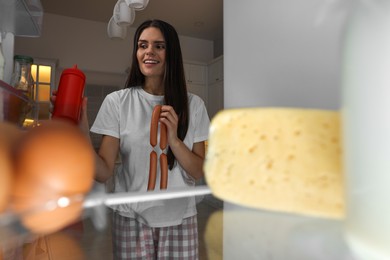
(164, 171)
(152, 170)
(163, 136)
(154, 125)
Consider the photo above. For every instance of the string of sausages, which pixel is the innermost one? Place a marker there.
(154, 123)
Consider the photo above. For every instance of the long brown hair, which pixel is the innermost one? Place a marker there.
(175, 89)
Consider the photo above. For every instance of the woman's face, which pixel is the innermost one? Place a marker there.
(151, 52)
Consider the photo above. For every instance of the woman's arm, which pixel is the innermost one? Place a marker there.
(191, 161)
(109, 147)
(108, 150)
(105, 158)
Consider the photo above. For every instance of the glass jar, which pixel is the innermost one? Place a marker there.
(23, 81)
(21, 77)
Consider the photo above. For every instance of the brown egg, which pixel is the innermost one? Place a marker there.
(5, 176)
(9, 133)
(59, 245)
(52, 161)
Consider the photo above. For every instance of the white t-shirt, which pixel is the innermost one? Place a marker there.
(126, 114)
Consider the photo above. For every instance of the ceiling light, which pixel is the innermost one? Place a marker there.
(116, 31)
(123, 14)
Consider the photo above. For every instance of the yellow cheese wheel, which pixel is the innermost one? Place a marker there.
(278, 159)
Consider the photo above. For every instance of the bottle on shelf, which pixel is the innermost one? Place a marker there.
(23, 81)
(21, 77)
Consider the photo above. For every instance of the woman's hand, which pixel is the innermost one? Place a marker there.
(169, 117)
(190, 160)
(53, 100)
(83, 122)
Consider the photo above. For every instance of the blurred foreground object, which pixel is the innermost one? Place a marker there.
(5, 175)
(366, 106)
(54, 169)
(58, 245)
(214, 236)
(278, 159)
(9, 134)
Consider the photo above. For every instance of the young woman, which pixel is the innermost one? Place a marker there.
(165, 229)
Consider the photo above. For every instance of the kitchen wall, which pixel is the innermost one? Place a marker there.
(72, 41)
(282, 53)
(86, 43)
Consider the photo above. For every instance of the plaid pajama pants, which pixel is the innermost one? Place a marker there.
(134, 240)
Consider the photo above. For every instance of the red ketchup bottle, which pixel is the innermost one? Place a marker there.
(69, 95)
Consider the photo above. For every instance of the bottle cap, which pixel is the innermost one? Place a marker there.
(24, 58)
(75, 71)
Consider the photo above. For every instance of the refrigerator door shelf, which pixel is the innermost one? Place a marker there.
(21, 17)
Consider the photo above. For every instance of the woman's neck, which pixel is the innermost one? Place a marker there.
(154, 86)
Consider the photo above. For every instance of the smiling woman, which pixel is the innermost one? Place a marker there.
(157, 79)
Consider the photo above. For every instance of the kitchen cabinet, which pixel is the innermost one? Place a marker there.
(199, 90)
(195, 73)
(206, 81)
(215, 86)
(196, 79)
(215, 70)
(215, 97)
